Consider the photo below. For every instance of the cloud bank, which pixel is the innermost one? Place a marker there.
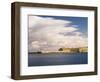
(50, 34)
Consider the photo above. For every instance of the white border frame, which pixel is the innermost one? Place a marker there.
(25, 70)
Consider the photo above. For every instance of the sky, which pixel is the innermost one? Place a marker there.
(49, 33)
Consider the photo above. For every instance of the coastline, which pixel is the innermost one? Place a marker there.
(55, 53)
(63, 51)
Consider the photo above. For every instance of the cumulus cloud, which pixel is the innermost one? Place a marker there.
(50, 34)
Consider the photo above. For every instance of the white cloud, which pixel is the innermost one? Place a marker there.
(51, 34)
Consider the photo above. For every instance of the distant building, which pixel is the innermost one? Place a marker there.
(83, 49)
(69, 49)
(64, 50)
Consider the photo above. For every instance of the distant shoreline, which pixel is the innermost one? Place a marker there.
(56, 53)
(63, 51)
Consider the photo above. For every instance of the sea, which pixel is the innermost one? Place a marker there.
(57, 59)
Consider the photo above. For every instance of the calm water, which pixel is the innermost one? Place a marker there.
(59, 59)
